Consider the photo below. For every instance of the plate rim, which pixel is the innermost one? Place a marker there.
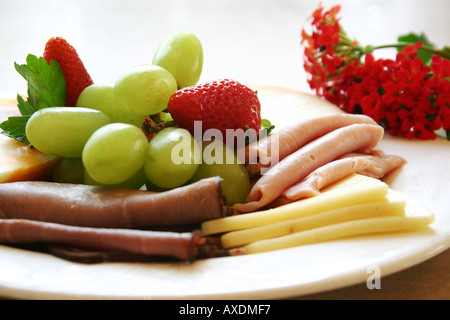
(439, 243)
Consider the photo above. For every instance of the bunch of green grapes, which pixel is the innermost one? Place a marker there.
(101, 141)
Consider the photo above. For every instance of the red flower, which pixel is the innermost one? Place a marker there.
(441, 85)
(323, 58)
(406, 96)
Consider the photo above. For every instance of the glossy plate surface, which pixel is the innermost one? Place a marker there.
(273, 275)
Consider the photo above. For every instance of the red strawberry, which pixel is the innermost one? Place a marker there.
(221, 104)
(77, 77)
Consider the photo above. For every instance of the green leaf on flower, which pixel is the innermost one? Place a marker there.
(412, 38)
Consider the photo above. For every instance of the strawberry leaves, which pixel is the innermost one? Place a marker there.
(266, 129)
(46, 88)
(46, 82)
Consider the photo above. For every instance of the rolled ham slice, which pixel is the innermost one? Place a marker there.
(296, 166)
(375, 166)
(278, 145)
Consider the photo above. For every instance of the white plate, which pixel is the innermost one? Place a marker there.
(273, 275)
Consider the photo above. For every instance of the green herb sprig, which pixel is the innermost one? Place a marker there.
(46, 88)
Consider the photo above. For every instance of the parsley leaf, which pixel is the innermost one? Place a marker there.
(46, 88)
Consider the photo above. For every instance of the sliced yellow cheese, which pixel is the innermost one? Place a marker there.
(355, 212)
(416, 218)
(356, 189)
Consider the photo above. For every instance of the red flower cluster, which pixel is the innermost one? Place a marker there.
(406, 96)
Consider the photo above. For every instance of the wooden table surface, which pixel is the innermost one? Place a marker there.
(429, 280)
(251, 41)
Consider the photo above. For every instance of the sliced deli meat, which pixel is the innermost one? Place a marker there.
(296, 166)
(94, 206)
(263, 153)
(374, 166)
(181, 245)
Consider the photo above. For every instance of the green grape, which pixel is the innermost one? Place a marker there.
(100, 96)
(145, 89)
(63, 131)
(114, 153)
(69, 170)
(220, 160)
(173, 157)
(181, 54)
(151, 187)
(135, 182)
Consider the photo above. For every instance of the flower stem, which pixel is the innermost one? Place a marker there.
(444, 54)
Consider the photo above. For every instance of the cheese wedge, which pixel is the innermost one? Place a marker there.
(18, 162)
(353, 190)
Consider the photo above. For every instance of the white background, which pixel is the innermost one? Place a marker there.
(248, 40)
